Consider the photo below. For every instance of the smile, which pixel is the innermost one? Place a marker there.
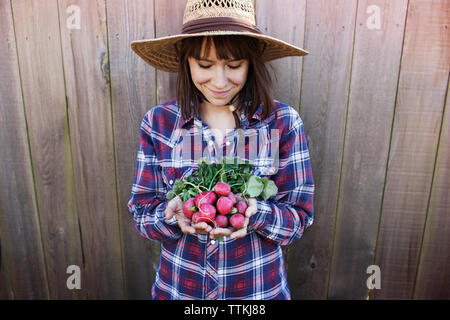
(219, 94)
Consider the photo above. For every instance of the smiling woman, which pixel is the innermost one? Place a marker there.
(220, 59)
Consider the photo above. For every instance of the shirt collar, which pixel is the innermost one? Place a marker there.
(257, 116)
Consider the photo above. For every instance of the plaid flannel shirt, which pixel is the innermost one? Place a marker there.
(193, 266)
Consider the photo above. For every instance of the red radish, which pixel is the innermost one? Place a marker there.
(206, 214)
(241, 206)
(222, 221)
(196, 217)
(232, 197)
(237, 221)
(224, 205)
(189, 208)
(222, 189)
(205, 197)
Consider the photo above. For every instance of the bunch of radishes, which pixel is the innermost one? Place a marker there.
(215, 193)
(220, 207)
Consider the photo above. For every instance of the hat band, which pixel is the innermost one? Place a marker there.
(218, 24)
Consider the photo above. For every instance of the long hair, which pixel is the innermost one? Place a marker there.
(257, 89)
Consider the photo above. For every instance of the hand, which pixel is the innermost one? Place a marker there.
(175, 207)
(232, 232)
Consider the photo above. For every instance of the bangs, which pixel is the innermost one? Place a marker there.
(226, 48)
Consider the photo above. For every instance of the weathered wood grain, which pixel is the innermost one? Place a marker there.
(374, 75)
(324, 98)
(133, 94)
(168, 21)
(42, 78)
(287, 71)
(22, 267)
(433, 278)
(420, 101)
(86, 66)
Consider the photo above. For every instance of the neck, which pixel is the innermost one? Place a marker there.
(209, 110)
(217, 116)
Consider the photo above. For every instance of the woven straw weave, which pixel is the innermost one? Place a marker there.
(161, 52)
(200, 9)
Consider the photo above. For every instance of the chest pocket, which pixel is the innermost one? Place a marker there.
(170, 174)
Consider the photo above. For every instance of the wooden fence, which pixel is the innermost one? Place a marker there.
(372, 94)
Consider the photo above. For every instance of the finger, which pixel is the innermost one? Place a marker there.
(226, 232)
(173, 206)
(187, 229)
(239, 234)
(185, 224)
(170, 209)
(252, 207)
(202, 227)
(169, 213)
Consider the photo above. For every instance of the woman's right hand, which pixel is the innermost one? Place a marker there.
(175, 208)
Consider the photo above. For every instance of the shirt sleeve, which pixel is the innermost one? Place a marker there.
(147, 202)
(285, 218)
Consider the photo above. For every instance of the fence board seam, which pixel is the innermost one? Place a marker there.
(155, 96)
(430, 193)
(71, 175)
(302, 62)
(338, 193)
(33, 175)
(118, 207)
(390, 144)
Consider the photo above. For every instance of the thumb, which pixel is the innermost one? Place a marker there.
(172, 207)
(252, 207)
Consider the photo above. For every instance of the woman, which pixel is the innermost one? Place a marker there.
(224, 96)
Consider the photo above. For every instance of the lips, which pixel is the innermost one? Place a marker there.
(219, 94)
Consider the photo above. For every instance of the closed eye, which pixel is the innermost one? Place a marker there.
(204, 66)
(235, 67)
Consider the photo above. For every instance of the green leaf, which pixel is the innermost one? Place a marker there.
(270, 189)
(254, 186)
(170, 195)
(186, 196)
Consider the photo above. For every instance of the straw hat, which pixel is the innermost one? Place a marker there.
(211, 18)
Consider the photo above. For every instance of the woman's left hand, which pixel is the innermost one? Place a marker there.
(232, 232)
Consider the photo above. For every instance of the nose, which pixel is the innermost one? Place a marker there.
(219, 79)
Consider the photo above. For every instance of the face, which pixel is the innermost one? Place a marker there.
(218, 80)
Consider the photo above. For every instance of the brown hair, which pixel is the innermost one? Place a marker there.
(257, 89)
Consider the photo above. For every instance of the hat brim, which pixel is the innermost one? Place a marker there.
(161, 53)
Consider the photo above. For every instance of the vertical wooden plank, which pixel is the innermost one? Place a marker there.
(168, 21)
(421, 97)
(376, 60)
(269, 14)
(133, 88)
(287, 70)
(86, 65)
(22, 266)
(40, 61)
(324, 98)
(434, 274)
